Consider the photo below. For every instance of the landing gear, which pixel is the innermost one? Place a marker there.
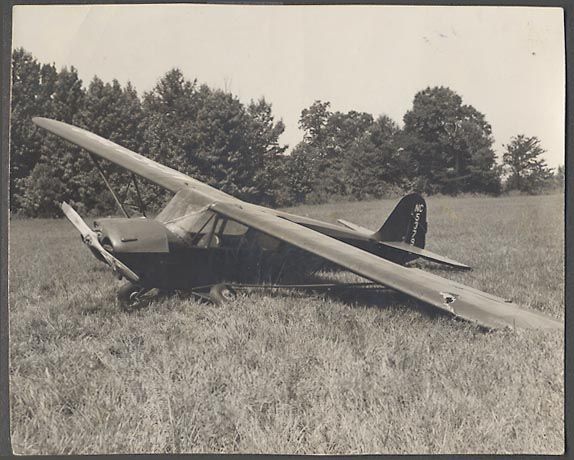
(221, 293)
(129, 295)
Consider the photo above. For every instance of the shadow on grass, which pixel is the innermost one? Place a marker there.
(384, 298)
(428, 266)
(369, 296)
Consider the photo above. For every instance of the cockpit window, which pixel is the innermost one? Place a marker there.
(234, 228)
(182, 204)
(190, 220)
(194, 222)
(195, 225)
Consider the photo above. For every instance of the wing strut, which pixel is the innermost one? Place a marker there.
(141, 201)
(103, 174)
(141, 204)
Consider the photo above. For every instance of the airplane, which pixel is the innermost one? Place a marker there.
(205, 239)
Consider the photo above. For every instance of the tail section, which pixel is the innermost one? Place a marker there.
(402, 237)
(407, 223)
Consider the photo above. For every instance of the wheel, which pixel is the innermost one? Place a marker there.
(222, 293)
(130, 296)
(127, 292)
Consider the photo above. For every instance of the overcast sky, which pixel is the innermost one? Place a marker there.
(508, 62)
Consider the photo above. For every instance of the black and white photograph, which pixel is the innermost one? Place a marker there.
(286, 229)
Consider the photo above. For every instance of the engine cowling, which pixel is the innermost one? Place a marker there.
(136, 235)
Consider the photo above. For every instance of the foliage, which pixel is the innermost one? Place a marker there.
(344, 154)
(375, 165)
(449, 145)
(55, 172)
(296, 177)
(208, 134)
(114, 113)
(527, 171)
(445, 146)
(32, 88)
(212, 136)
(264, 135)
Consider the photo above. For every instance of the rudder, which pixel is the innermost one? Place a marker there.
(407, 222)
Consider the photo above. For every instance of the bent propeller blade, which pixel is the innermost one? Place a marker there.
(76, 220)
(91, 239)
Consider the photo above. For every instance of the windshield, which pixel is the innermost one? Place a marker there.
(183, 203)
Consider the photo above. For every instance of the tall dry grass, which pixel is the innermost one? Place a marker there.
(296, 372)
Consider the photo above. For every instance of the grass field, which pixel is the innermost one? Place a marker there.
(291, 373)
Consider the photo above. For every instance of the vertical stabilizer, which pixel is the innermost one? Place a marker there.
(407, 223)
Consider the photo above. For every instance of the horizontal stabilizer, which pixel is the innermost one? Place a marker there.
(355, 227)
(424, 253)
(411, 249)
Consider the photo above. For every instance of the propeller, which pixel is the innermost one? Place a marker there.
(90, 238)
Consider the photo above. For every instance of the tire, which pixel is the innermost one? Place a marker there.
(222, 293)
(126, 292)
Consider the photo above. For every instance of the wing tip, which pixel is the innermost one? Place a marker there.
(42, 121)
(462, 266)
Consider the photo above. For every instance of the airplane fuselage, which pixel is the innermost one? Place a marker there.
(164, 260)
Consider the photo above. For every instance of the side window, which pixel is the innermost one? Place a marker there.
(233, 228)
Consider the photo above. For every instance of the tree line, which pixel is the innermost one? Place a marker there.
(444, 146)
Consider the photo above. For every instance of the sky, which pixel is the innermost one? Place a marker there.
(507, 62)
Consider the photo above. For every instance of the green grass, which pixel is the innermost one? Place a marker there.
(291, 373)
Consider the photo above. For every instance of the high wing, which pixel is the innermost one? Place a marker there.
(174, 181)
(455, 298)
(157, 173)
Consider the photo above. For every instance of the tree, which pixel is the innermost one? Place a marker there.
(314, 119)
(33, 87)
(58, 159)
(64, 172)
(449, 144)
(374, 164)
(527, 171)
(211, 136)
(207, 134)
(168, 131)
(328, 138)
(114, 113)
(264, 138)
(296, 177)
(226, 158)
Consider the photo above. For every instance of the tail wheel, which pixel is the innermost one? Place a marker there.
(222, 293)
